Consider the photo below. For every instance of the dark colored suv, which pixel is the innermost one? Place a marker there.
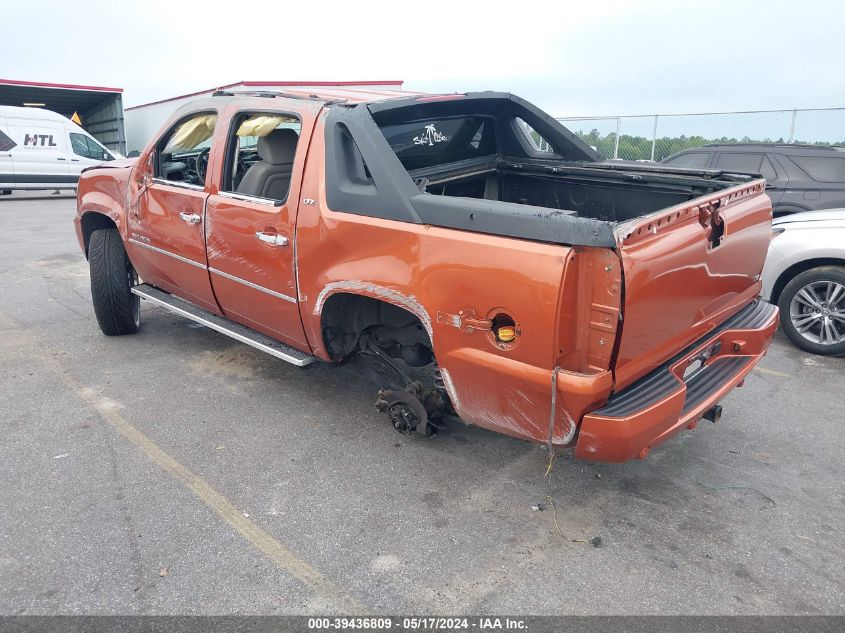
(798, 177)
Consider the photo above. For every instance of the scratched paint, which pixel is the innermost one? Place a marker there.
(408, 302)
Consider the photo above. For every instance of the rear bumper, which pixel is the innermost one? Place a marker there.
(652, 409)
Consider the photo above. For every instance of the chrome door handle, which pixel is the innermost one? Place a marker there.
(190, 218)
(273, 239)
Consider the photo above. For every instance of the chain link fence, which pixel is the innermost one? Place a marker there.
(654, 137)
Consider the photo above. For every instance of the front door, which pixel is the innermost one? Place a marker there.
(84, 152)
(251, 220)
(166, 234)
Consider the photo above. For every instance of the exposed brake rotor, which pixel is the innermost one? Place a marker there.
(406, 412)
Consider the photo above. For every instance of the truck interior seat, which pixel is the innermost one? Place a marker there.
(270, 176)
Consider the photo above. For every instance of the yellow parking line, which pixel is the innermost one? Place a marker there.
(772, 372)
(202, 490)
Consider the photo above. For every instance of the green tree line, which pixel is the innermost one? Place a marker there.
(639, 147)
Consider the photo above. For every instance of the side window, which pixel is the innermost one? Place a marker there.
(535, 140)
(822, 168)
(259, 155)
(743, 163)
(87, 147)
(79, 145)
(693, 160)
(98, 151)
(182, 153)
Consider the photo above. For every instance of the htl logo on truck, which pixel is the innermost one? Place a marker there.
(38, 140)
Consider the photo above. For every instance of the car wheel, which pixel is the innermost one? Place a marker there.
(112, 277)
(812, 310)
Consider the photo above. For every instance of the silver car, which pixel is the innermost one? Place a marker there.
(805, 276)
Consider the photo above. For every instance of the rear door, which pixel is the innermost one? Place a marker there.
(251, 221)
(755, 163)
(685, 270)
(7, 170)
(40, 154)
(823, 176)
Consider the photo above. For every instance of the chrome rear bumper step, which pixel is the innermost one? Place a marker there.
(224, 326)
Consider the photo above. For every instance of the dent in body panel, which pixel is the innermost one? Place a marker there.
(473, 406)
(104, 192)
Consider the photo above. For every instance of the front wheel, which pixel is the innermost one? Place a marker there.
(812, 310)
(112, 277)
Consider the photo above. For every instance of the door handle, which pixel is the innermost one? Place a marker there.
(273, 239)
(190, 218)
(61, 159)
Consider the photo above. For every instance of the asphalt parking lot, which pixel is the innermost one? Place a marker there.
(179, 472)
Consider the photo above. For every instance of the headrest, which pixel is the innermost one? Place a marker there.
(278, 147)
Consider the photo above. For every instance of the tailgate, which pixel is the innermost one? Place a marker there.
(685, 270)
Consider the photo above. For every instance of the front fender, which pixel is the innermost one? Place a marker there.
(102, 193)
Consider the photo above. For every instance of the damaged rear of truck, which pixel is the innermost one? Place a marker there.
(469, 254)
(538, 292)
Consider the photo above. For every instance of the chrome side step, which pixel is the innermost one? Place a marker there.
(224, 326)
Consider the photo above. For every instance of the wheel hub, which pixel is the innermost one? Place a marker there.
(407, 414)
(403, 418)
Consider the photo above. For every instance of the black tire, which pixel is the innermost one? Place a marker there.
(793, 309)
(112, 276)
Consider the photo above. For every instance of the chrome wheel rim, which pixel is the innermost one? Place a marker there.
(817, 312)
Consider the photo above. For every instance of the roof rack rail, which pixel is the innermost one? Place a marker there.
(774, 144)
(273, 93)
(257, 93)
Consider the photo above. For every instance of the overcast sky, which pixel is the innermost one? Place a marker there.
(571, 58)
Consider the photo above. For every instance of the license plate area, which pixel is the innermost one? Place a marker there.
(698, 362)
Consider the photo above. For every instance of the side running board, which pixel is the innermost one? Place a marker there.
(224, 326)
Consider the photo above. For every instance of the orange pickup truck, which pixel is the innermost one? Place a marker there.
(466, 252)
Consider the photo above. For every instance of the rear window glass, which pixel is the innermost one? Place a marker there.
(822, 168)
(433, 142)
